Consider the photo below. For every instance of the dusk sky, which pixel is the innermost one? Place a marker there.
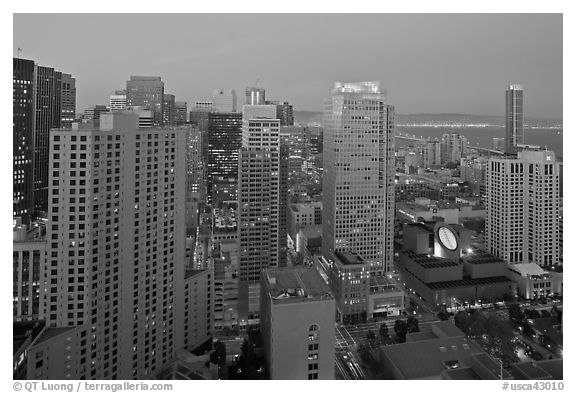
(428, 63)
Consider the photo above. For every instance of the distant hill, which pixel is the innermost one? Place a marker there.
(307, 117)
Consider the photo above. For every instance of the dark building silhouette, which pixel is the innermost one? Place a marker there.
(23, 136)
(224, 141)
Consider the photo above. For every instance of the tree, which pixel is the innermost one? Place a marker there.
(412, 325)
(462, 321)
(507, 297)
(545, 314)
(218, 357)
(370, 336)
(384, 331)
(364, 352)
(527, 329)
(531, 314)
(400, 328)
(443, 315)
(515, 313)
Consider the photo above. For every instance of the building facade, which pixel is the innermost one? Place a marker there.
(224, 100)
(523, 208)
(224, 142)
(180, 112)
(169, 110)
(358, 180)
(514, 118)
(23, 115)
(453, 147)
(68, 101)
(147, 92)
(297, 324)
(116, 251)
(255, 96)
(118, 101)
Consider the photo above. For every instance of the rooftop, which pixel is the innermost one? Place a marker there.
(191, 273)
(479, 257)
(470, 282)
(291, 284)
(348, 258)
(430, 262)
(527, 269)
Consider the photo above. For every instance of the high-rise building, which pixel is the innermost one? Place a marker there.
(284, 112)
(358, 180)
(255, 96)
(148, 92)
(169, 111)
(93, 112)
(224, 141)
(180, 112)
(195, 187)
(258, 201)
(118, 101)
(514, 118)
(523, 208)
(115, 262)
(224, 100)
(297, 324)
(453, 147)
(48, 88)
(23, 114)
(432, 154)
(68, 101)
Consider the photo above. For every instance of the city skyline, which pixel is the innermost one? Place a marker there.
(431, 64)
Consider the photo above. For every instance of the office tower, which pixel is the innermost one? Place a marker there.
(258, 201)
(195, 187)
(118, 101)
(473, 171)
(224, 141)
(68, 101)
(204, 105)
(358, 180)
(116, 245)
(297, 315)
(514, 118)
(48, 115)
(523, 208)
(23, 114)
(148, 92)
(180, 112)
(93, 112)
(255, 96)
(498, 144)
(283, 203)
(284, 112)
(199, 117)
(224, 100)
(432, 153)
(169, 111)
(28, 252)
(453, 146)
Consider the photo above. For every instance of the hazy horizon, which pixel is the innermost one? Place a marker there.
(428, 63)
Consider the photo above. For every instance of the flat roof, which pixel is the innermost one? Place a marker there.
(430, 262)
(349, 258)
(527, 269)
(421, 359)
(470, 282)
(464, 374)
(531, 371)
(291, 284)
(192, 273)
(480, 257)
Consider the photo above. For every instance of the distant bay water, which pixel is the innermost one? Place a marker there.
(482, 136)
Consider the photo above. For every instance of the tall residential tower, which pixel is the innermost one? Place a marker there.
(514, 117)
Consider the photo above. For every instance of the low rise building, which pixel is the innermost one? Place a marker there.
(534, 282)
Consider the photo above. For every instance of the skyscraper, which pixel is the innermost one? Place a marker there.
(258, 201)
(115, 266)
(48, 88)
(514, 118)
(68, 101)
(284, 112)
(118, 101)
(224, 100)
(224, 141)
(523, 208)
(453, 146)
(358, 181)
(169, 111)
(255, 96)
(180, 112)
(93, 112)
(23, 113)
(148, 92)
